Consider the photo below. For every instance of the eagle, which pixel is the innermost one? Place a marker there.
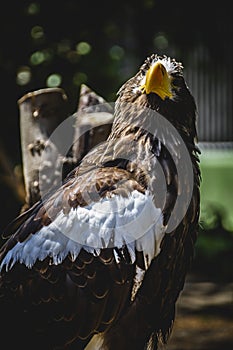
(100, 262)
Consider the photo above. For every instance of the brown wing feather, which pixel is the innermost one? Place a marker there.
(69, 302)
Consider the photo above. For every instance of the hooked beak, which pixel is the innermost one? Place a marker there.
(158, 81)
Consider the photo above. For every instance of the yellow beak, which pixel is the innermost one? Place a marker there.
(158, 81)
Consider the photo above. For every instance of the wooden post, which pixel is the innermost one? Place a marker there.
(41, 112)
(94, 119)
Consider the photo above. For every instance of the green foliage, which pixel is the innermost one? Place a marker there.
(214, 249)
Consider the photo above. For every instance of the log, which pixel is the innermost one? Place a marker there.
(94, 119)
(53, 144)
(41, 112)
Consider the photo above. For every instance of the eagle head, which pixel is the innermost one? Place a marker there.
(159, 85)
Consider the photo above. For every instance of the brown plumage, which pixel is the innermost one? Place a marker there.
(59, 298)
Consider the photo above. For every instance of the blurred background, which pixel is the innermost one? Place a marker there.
(102, 44)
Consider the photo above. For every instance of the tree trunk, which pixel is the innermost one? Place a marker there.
(94, 119)
(52, 144)
(41, 112)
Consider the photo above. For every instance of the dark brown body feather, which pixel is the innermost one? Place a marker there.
(61, 306)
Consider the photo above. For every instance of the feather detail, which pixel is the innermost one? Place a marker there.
(111, 222)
